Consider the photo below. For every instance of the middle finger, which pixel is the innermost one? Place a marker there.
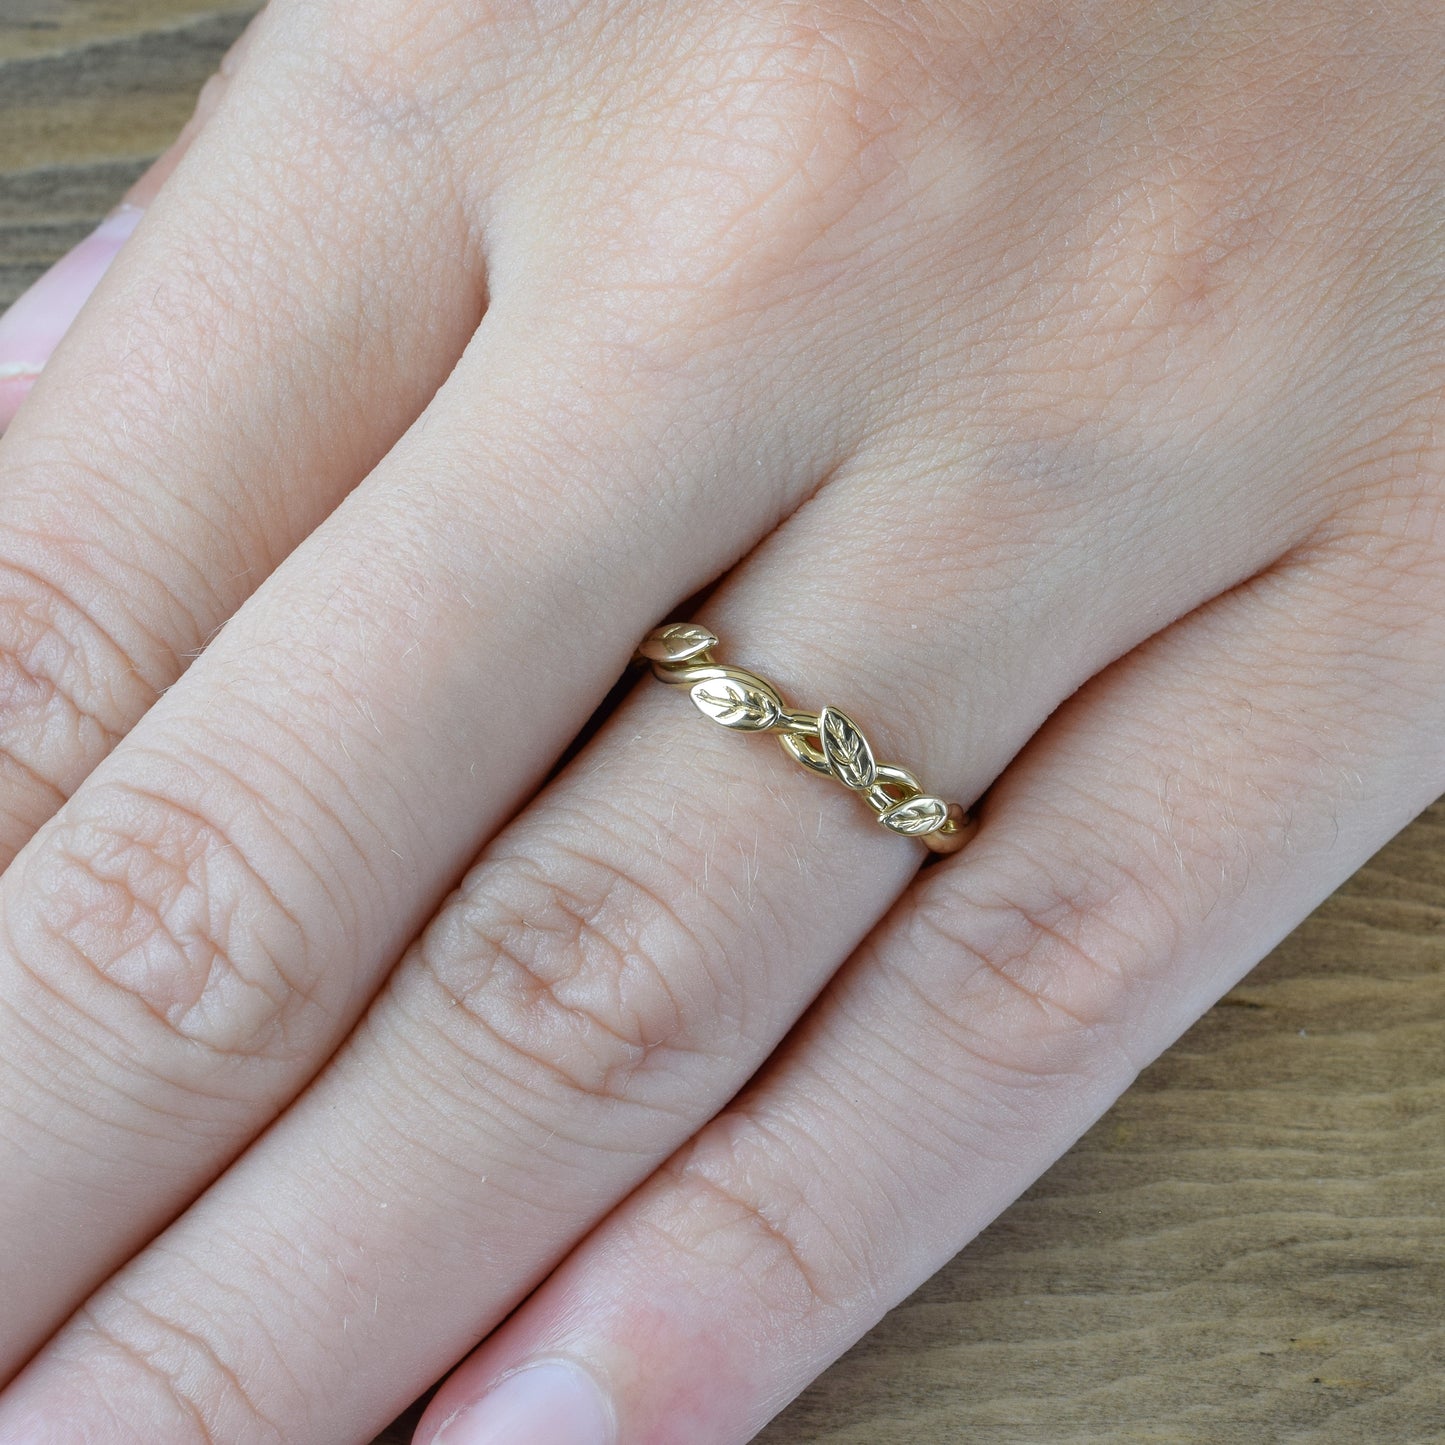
(199, 926)
(193, 933)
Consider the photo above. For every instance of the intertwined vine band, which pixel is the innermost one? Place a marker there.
(827, 742)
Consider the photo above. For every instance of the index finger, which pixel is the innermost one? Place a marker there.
(247, 357)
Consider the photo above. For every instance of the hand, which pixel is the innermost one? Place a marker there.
(1057, 391)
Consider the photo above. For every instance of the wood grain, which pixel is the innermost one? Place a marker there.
(1250, 1247)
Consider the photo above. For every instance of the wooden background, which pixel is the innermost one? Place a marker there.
(1249, 1247)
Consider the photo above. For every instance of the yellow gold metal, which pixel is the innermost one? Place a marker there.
(827, 742)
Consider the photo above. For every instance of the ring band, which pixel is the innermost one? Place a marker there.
(827, 742)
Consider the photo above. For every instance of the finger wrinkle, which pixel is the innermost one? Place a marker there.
(142, 1360)
(733, 1233)
(148, 901)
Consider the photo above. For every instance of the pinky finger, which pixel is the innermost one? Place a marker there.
(1163, 831)
(37, 322)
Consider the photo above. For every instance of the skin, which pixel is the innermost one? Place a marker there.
(1056, 388)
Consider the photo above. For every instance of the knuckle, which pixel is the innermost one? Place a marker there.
(67, 688)
(776, 127)
(568, 972)
(143, 894)
(1033, 965)
(817, 78)
(167, 1372)
(735, 1202)
(1167, 262)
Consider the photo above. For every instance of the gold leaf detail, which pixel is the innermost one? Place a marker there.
(677, 642)
(743, 706)
(849, 757)
(917, 816)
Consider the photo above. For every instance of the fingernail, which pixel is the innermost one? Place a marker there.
(553, 1403)
(31, 329)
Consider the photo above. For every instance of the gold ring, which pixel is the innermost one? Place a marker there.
(827, 742)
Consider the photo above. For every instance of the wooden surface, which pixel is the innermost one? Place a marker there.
(1250, 1247)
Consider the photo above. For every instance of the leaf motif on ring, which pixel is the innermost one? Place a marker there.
(916, 816)
(676, 642)
(846, 749)
(735, 704)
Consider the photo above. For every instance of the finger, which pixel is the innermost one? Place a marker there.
(619, 961)
(1164, 830)
(33, 326)
(194, 934)
(197, 929)
(247, 358)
